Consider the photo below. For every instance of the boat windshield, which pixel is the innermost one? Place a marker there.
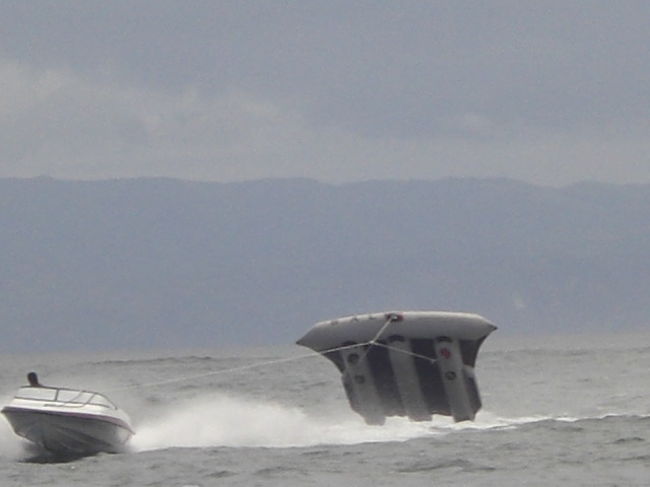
(66, 396)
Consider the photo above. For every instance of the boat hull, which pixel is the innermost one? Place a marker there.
(69, 433)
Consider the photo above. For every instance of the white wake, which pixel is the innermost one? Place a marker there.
(221, 420)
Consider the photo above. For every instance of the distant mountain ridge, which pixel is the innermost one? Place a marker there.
(171, 263)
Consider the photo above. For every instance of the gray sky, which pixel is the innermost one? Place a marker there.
(548, 92)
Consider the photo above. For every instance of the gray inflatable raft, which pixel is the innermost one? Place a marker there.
(411, 363)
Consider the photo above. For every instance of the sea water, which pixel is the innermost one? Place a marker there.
(556, 411)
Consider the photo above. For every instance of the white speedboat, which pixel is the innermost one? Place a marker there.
(68, 421)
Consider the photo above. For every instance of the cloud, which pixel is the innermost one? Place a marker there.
(332, 90)
(73, 125)
(59, 123)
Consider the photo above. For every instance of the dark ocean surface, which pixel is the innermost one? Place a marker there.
(556, 411)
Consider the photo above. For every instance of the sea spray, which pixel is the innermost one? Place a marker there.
(226, 420)
(11, 446)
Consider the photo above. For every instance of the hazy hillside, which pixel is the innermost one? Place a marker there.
(166, 263)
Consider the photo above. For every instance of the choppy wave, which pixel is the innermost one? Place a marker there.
(226, 420)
